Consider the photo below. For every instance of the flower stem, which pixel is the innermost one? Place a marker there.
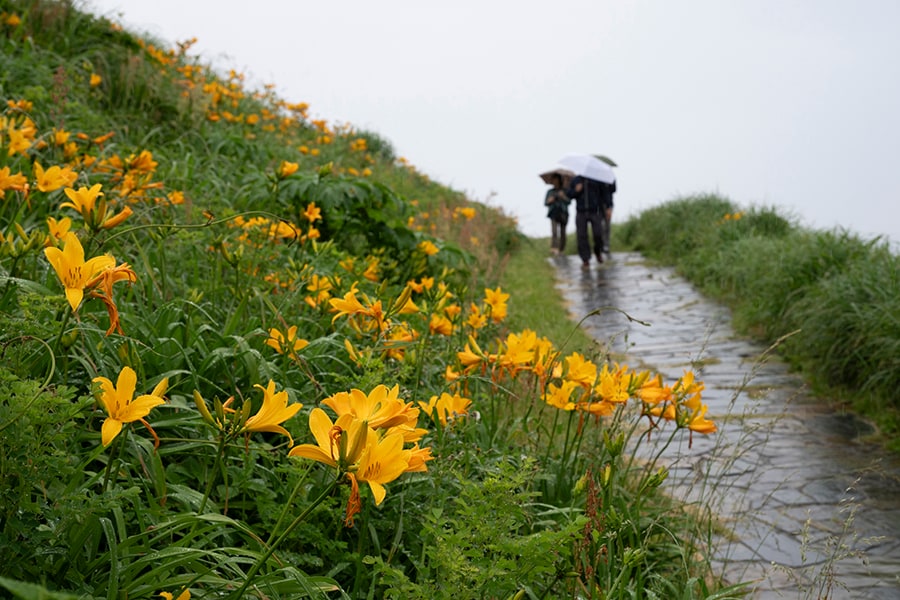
(62, 329)
(287, 505)
(271, 550)
(113, 456)
(212, 478)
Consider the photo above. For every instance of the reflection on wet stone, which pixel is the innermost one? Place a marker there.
(794, 480)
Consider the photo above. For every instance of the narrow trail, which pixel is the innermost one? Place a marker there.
(814, 508)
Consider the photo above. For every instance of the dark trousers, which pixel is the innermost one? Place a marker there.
(558, 232)
(595, 220)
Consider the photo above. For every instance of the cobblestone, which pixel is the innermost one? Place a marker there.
(813, 507)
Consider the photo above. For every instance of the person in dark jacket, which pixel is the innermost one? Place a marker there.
(593, 207)
(557, 203)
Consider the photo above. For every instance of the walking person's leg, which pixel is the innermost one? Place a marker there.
(562, 233)
(597, 234)
(605, 234)
(554, 234)
(581, 237)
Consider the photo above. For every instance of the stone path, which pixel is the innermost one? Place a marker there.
(815, 510)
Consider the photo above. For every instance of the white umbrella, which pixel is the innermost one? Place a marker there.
(588, 165)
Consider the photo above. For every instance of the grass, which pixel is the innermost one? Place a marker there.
(251, 354)
(530, 277)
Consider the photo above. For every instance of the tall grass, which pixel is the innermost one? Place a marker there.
(838, 291)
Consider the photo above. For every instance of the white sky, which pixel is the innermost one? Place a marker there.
(787, 103)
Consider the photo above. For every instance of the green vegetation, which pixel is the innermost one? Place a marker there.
(246, 354)
(541, 304)
(838, 292)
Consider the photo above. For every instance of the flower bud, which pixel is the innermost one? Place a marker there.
(204, 410)
(614, 446)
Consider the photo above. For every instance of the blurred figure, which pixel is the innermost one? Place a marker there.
(593, 207)
(557, 203)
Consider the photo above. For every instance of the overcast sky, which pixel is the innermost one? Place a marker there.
(786, 103)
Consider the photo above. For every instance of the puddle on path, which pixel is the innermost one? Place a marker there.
(803, 492)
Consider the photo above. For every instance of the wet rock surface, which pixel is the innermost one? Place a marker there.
(814, 509)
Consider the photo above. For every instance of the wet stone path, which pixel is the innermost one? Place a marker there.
(814, 509)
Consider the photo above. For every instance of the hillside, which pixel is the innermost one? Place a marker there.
(251, 354)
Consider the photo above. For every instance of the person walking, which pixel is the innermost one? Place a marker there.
(557, 202)
(593, 208)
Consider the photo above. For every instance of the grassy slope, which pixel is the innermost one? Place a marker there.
(529, 278)
(201, 309)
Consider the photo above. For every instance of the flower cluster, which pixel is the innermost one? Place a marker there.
(367, 442)
(574, 383)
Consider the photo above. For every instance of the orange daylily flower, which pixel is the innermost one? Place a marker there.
(103, 283)
(286, 343)
(312, 213)
(8, 181)
(496, 299)
(275, 411)
(286, 169)
(53, 178)
(381, 408)
(75, 274)
(122, 407)
(446, 408)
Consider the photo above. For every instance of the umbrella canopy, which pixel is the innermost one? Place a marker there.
(565, 174)
(588, 165)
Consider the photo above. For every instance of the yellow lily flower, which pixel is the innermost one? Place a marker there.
(417, 459)
(441, 325)
(476, 319)
(53, 178)
(286, 169)
(613, 386)
(519, 351)
(696, 419)
(121, 406)
(109, 220)
(274, 412)
(371, 272)
(428, 247)
(381, 408)
(348, 305)
(72, 270)
(287, 343)
(58, 229)
(338, 444)
(312, 213)
(60, 137)
(446, 408)
(381, 463)
(559, 395)
(8, 181)
(580, 370)
(471, 359)
(652, 392)
(95, 214)
(83, 199)
(496, 299)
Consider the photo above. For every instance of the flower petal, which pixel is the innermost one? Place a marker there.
(109, 431)
(313, 453)
(139, 408)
